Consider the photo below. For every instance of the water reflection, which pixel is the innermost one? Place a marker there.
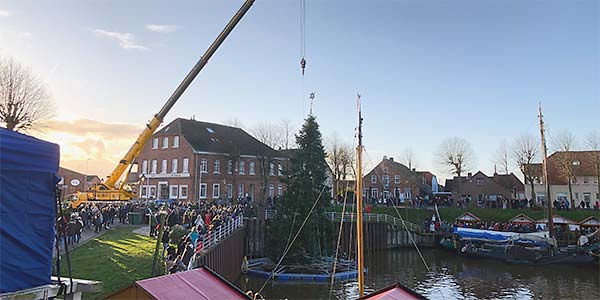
(450, 277)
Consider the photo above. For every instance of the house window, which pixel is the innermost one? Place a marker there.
(202, 191)
(374, 194)
(576, 195)
(386, 194)
(279, 190)
(242, 167)
(365, 193)
(174, 165)
(279, 170)
(174, 192)
(271, 191)
(407, 193)
(165, 142)
(217, 167)
(186, 162)
(229, 167)
(152, 192)
(216, 191)
(386, 180)
(176, 142)
(229, 191)
(183, 191)
(272, 169)
(585, 180)
(479, 181)
(144, 192)
(396, 179)
(154, 166)
(145, 167)
(163, 166)
(251, 166)
(587, 197)
(155, 143)
(373, 179)
(241, 190)
(203, 165)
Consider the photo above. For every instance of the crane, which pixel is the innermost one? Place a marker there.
(110, 190)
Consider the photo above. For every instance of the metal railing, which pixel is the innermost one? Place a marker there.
(215, 235)
(374, 218)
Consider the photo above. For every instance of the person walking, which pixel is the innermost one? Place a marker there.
(165, 240)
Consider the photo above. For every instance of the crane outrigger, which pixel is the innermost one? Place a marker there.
(111, 190)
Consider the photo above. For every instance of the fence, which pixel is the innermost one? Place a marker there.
(375, 218)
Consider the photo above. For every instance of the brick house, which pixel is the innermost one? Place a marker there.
(391, 180)
(189, 160)
(72, 181)
(584, 180)
(485, 191)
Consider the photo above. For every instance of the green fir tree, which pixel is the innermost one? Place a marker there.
(306, 181)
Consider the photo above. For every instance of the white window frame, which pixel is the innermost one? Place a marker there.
(374, 193)
(145, 166)
(271, 169)
(396, 179)
(280, 190)
(155, 143)
(144, 191)
(176, 142)
(217, 167)
(279, 170)
(386, 194)
(229, 167)
(216, 190)
(202, 191)
(153, 192)
(203, 165)
(173, 188)
(229, 190)
(186, 165)
(241, 190)
(385, 180)
(163, 167)
(271, 191)
(183, 195)
(174, 165)
(251, 167)
(165, 142)
(373, 179)
(154, 166)
(242, 168)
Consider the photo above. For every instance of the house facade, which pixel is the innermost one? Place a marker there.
(584, 178)
(72, 181)
(391, 180)
(485, 191)
(188, 160)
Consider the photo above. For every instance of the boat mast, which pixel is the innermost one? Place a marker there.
(545, 172)
(359, 210)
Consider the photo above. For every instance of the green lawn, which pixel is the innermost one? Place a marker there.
(417, 215)
(117, 258)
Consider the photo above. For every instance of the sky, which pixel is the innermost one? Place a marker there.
(426, 70)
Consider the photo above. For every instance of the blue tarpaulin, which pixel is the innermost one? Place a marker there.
(28, 176)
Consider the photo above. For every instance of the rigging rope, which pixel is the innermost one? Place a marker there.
(302, 35)
(293, 240)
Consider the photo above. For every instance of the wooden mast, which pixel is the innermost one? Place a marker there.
(359, 208)
(545, 172)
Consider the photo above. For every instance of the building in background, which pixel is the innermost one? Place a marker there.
(72, 182)
(485, 191)
(391, 180)
(188, 160)
(580, 166)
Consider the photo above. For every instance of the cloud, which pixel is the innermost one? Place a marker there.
(126, 40)
(83, 127)
(162, 28)
(5, 13)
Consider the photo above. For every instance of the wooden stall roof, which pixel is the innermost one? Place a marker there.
(468, 217)
(557, 220)
(591, 221)
(522, 219)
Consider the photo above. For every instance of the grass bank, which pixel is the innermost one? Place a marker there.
(117, 258)
(417, 215)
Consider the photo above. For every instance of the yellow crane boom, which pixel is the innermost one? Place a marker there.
(108, 191)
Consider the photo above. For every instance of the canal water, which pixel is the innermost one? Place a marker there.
(450, 277)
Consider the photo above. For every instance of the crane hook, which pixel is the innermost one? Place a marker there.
(303, 65)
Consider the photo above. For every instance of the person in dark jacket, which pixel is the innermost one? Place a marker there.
(165, 240)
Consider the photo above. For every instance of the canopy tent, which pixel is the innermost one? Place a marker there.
(28, 168)
(468, 217)
(590, 221)
(501, 236)
(558, 220)
(394, 292)
(199, 284)
(522, 219)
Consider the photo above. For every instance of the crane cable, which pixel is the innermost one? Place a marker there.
(302, 35)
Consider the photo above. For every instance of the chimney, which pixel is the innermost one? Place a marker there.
(391, 159)
(385, 157)
(414, 169)
(469, 175)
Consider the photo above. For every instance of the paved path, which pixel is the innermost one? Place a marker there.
(87, 235)
(144, 230)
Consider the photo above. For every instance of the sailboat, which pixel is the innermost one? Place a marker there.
(538, 248)
(397, 291)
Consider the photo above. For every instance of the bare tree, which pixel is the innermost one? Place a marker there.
(565, 142)
(526, 152)
(593, 144)
(24, 99)
(234, 122)
(269, 134)
(287, 132)
(501, 157)
(408, 157)
(456, 155)
(340, 157)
